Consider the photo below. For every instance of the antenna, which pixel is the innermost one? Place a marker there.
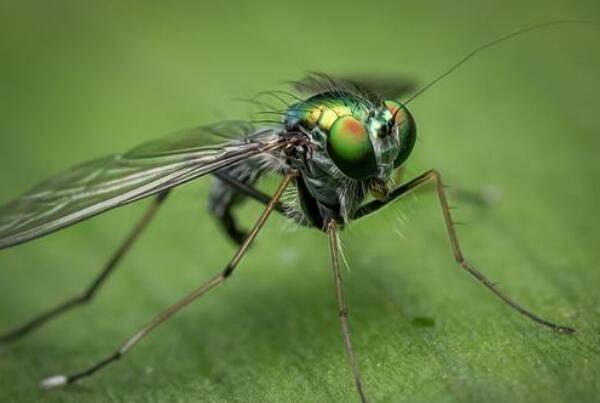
(496, 42)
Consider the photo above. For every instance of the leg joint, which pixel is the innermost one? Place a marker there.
(85, 297)
(228, 271)
(434, 174)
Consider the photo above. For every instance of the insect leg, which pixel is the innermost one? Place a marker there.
(95, 285)
(225, 198)
(433, 175)
(486, 196)
(61, 380)
(342, 311)
(248, 190)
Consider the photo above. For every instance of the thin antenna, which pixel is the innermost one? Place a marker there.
(495, 42)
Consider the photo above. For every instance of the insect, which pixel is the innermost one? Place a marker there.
(338, 147)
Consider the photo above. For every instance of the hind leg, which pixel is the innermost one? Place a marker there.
(231, 189)
(95, 285)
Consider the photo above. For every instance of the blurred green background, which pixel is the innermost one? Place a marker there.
(80, 79)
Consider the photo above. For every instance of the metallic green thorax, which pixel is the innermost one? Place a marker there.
(362, 139)
(322, 110)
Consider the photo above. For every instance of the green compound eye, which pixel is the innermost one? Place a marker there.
(350, 148)
(407, 132)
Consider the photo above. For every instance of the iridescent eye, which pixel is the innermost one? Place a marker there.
(350, 148)
(407, 132)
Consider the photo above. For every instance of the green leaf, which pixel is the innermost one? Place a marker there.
(82, 79)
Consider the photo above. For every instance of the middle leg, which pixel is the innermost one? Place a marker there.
(62, 380)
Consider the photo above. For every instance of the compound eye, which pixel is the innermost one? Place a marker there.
(350, 148)
(398, 111)
(407, 133)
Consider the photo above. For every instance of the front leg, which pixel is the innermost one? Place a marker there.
(334, 248)
(433, 175)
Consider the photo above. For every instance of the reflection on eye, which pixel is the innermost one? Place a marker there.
(407, 133)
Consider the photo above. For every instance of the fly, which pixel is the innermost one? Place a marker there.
(337, 146)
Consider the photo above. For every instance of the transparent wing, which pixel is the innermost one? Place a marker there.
(106, 183)
(373, 87)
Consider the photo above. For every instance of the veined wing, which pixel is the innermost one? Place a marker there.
(374, 88)
(94, 187)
